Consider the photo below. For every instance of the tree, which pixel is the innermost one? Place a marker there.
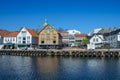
(85, 41)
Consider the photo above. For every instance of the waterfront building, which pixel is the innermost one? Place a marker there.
(27, 38)
(10, 40)
(71, 40)
(97, 40)
(49, 37)
(113, 38)
(2, 34)
(72, 32)
(65, 39)
(106, 38)
(79, 38)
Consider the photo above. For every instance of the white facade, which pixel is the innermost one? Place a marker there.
(118, 37)
(90, 46)
(72, 32)
(26, 38)
(113, 40)
(97, 40)
(12, 40)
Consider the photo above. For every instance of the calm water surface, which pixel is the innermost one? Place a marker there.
(58, 68)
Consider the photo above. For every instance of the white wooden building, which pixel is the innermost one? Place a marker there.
(27, 38)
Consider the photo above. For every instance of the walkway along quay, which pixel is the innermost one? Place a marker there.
(66, 52)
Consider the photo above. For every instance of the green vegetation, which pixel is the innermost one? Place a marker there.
(85, 41)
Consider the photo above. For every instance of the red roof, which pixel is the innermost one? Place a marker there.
(80, 35)
(32, 32)
(12, 34)
(3, 32)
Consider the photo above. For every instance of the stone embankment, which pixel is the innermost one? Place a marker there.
(71, 52)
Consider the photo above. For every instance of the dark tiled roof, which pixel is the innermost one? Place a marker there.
(107, 30)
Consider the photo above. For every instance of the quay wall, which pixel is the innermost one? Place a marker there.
(71, 52)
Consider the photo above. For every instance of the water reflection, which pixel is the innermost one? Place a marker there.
(48, 67)
(59, 68)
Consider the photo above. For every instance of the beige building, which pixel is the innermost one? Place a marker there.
(49, 37)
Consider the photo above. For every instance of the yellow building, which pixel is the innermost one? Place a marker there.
(49, 37)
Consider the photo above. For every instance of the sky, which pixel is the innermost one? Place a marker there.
(82, 15)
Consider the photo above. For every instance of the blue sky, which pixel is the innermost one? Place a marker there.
(83, 15)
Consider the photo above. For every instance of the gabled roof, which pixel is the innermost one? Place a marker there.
(45, 25)
(32, 32)
(80, 35)
(3, 32)
(49, 26)
(12, 34)
(99, 36)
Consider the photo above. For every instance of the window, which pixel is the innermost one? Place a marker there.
(48, 36)
(54, 42)
(28, 37)
(42, 42)
(19, 37)
(48, 41)
(6, 40)
(96, 39)
(28, 41)
(23, 31)
(24, 38)
(93, 39)
(19, 41)
(24, 42)
(42, 36)
(54, 35)
(13, 39)
(10, 39)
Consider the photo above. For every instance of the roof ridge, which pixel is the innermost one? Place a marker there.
(32, 32)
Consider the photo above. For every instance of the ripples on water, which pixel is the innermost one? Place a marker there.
(58, 68)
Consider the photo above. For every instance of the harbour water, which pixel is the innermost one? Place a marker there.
(59, 68)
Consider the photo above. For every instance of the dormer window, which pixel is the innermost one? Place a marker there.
(23, 31)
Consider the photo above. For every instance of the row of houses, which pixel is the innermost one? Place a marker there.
(105, 38)
(48, 37)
